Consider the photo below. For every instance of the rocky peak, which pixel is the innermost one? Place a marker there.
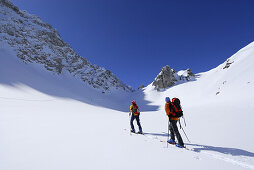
(141, 87)
(165, 78)
(169, 77)
(185, 75)
(35, 41)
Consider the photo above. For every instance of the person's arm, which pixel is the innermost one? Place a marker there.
(167, 109)
(130, 110)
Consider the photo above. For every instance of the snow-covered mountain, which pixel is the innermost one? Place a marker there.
(44, 124)
(35, 41)
(51, 121)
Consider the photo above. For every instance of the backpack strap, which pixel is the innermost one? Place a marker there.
(176, 109)
(172, 108)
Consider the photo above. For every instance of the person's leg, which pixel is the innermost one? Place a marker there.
(175, 129)
(172, 134)
(131, 123)
(138, 123)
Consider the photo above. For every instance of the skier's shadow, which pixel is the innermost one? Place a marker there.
(156, 134)
(230, 151)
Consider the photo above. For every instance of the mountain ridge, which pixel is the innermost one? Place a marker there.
(35, 41)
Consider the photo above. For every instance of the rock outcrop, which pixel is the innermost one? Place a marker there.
(141, 87)
(169, 77)
(165, 78)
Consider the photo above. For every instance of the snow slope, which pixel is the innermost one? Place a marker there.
(219, 107)
(52, 122)
(222, 97)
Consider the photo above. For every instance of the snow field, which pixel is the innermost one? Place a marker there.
(67, 134)
(53, 122)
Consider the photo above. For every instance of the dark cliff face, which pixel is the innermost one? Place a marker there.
(35, 41)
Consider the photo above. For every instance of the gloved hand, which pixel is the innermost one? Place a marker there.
(130, 114)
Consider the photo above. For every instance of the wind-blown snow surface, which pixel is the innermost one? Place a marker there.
(52, 122)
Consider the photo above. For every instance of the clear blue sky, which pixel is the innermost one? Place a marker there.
(136, 38)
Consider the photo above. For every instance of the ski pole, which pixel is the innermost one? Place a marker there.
(183, 117)
(186, 135)
(130, 121)
(180, 124)
(184, 121)
(183, 130)
(168, 132)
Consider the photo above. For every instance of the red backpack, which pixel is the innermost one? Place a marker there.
(135, 110)
(177, 109)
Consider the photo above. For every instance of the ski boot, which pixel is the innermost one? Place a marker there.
(171, 141)
(180, 146)
(133, 131)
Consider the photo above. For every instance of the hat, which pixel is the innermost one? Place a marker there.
(167, 99)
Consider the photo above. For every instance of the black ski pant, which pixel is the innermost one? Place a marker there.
(138, 123)
(174, 132)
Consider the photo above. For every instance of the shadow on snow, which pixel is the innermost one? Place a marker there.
(15, 73)
(199, 148)
(156, 134)
(85, 94)
(230, 151)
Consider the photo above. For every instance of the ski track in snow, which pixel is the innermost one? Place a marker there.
(205, 153)
(229, 160)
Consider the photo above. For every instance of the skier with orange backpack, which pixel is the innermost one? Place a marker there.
(173, 111)
(134, 111)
